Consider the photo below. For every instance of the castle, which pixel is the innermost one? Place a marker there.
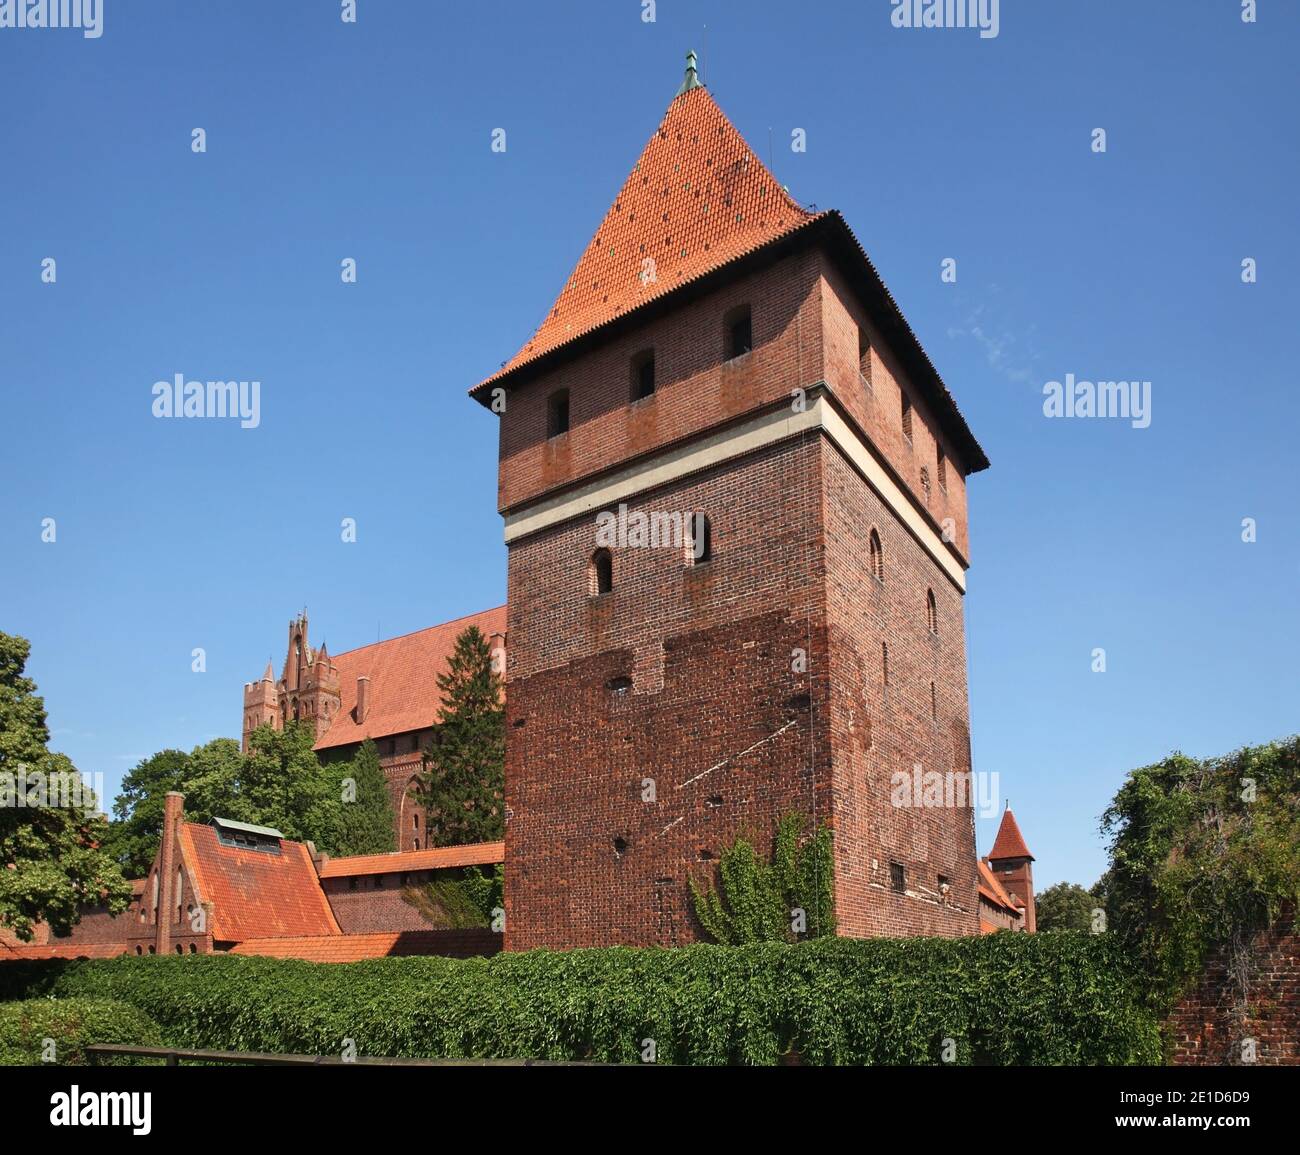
(776, 627)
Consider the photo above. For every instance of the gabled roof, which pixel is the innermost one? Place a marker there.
(1009, 843)
(703, 207)
(993, 891)
(696, 199)
(255, 894)
(437, 858)
(403, 673)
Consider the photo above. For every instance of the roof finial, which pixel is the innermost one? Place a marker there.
(692, 79)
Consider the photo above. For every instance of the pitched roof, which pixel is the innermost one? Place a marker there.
(438, 858)
(255, 894)
(403, 672)
(1009, 843)
(354, 947)
(701, 205)
(993, 891)
(696, 199)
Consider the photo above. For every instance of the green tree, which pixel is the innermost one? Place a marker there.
(1203, 855)
(51, 856)
(365, 822)
(462, 785)
(208, 776)
(1065, 906)
(283, 785)
(787, 900)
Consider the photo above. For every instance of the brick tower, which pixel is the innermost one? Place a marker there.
(1011, 862)
(675, 681)
(307, 690)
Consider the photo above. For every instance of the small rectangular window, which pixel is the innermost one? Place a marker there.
(941, 467)
(864, 359)
(897, 879)
(643, 376)
(557, 413)
(907, 417)
(740, 334)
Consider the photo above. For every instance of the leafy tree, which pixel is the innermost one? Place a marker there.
(1203, 855)
(51, 856)
(1065, 906)
(761, 902)
(136, 828)
(282, 784)
(462, 784)
(365, 821)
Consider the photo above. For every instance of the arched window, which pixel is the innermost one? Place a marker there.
(601, 572)
(931, 613)
(699, 539)
(877, 557)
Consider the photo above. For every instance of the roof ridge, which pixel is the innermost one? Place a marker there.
(412, 633)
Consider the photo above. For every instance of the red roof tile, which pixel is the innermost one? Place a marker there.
(992, 889)
(354, 947)
(70, 950)
(438, 858)
(255, 894)
(697, 199)
(1010, 843)
(403, 680)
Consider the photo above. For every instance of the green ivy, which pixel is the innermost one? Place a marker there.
(1009, 999)
(787, 900)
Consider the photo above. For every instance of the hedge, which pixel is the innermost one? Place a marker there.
(1004, 998)
(70, 1024)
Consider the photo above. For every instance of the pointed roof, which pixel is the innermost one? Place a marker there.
(701, 206)
(696, 199)
(269, 676)
(1009, 843)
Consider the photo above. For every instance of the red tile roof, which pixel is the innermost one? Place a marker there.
(354, 947)
(993, 891)
(69, 950)
(697, 199)
(1010, 843)
(255, 894)
(403, 675)
(439, 858)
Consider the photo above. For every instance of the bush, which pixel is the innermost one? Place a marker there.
(70, 1024)
(1008, 998)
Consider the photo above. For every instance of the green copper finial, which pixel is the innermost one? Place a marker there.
(692, 79)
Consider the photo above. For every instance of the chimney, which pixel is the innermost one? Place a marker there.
(363, 697)
(168, 855)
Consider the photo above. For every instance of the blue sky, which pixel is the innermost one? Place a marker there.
(328, 140)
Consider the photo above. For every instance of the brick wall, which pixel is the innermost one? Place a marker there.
(1202, 1030)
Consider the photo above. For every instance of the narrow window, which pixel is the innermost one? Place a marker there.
(877, 557)
(699, 539)
(931, 613)
(897, 878)
(740, 334)
(934, 704)
(864, 359)
(884, 661)
(925, 484)
(601, 576)
(557, 413)
(907, 417)
(415, 821)
(643, 375)
(941, 465)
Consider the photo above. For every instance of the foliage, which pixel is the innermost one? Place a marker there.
(72, 1024)
(1005, 999)
(1065, 906)
(364, 824)
(458, 899)
(755, 901)
(51, 856)
(1203, 855)
(463, 781)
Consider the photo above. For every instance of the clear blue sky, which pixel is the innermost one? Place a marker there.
(371, 141)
